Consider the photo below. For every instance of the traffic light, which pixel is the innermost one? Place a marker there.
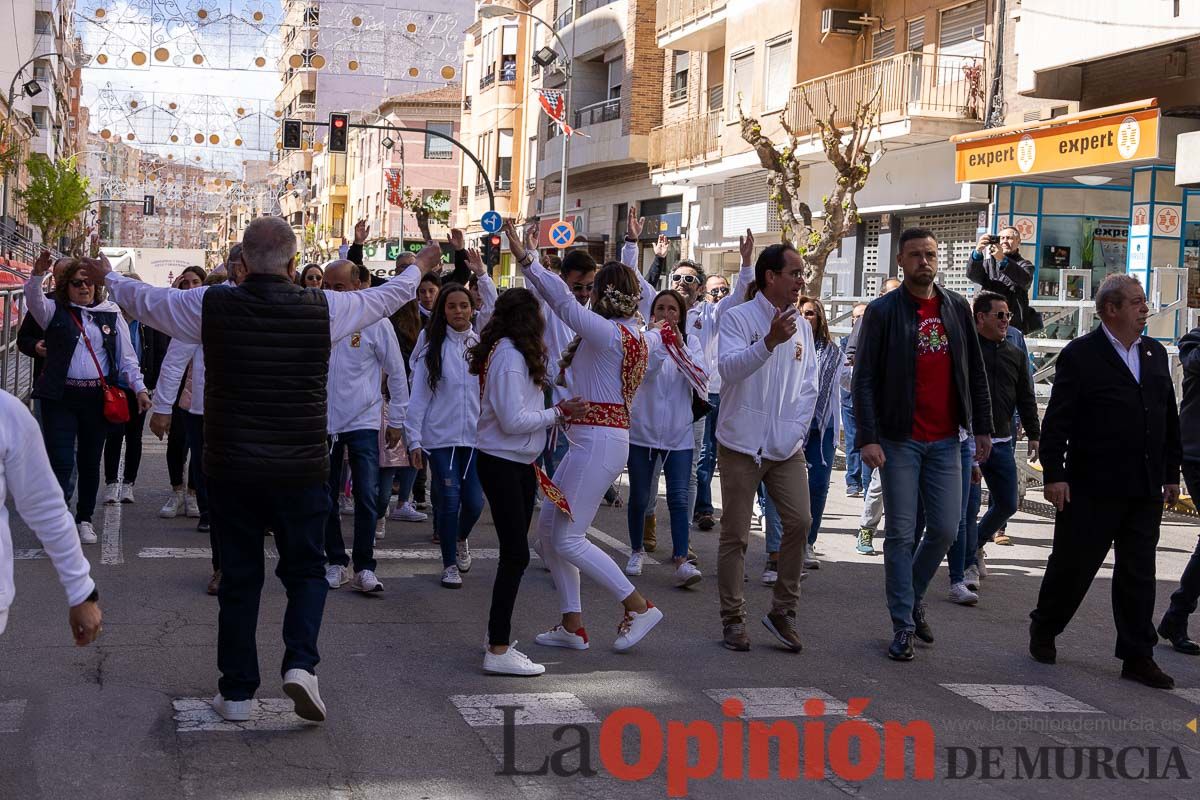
(339, 126)
(148, 205)
(493, 250)
(292, 138)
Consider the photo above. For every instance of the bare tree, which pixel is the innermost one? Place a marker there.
(845, 147)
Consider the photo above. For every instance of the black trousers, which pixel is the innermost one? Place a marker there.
(509, 487)
(241, 512)
(177, 450)
(1183, 599)
(130, 434)
(1084, 532)
(195, 442)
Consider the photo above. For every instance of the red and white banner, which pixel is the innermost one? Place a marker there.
(554, 103)
(395, 180)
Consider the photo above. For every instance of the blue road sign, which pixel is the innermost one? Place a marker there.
(562, 234)
(491, 221)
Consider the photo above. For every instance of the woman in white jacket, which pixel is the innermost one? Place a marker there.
(661, 427)
(443, 413)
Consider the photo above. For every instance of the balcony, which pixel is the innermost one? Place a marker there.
(604, 111)
(684, 144)
(942, 88)
(591, 26)
(694, 25)
(487, 80)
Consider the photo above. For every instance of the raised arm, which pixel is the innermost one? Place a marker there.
(629, 257)
(744, 279)
(487, 287)
(391, 359)
(175, 312)
(40, 307)
(170, 375)
(353, 311)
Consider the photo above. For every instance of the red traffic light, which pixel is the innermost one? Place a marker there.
(339, 122)
(496, 241)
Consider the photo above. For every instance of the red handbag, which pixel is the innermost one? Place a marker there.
(116, 407)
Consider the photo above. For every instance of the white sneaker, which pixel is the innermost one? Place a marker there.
(127, 493)
(971, 578)
(380, 528)
(173, 507)
(112, 493)
(982, 563)
(810, 558)
(405, 512)
(635, 627)
(451, 579)
(336, 576)
(770, 573)
(87, 534)
(686, 575)
(346, 505)
(232, 710)
(462, 557)
(365, 581)
(422, 506)
(634, 567)
(301, 686)
(959, 593)
(512, 662)
(558, 636)
(190, 507)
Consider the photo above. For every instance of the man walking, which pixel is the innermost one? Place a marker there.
(1110, 456)
(266, 353)
(919, 385)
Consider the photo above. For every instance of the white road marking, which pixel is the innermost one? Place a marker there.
(543, 708)
(11, 712)
(189, 552)
(780, 702)
(29, 555)
(1016, 697)
(110, 536)
(616, 544)
(269, 714)
(1191, 695)
(430, 554)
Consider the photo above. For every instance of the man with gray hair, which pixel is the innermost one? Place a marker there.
(266, 353)
(1111, 454)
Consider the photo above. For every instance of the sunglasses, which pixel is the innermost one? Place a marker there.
(80, 283)
(720, 291)
(809, 314)
(689, 280)
(582, 287)
(1002, 315)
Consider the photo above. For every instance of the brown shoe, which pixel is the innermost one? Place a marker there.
(706, 522)
(1144, 670)
(649, 534)
(214, 583)
(736, 638)
(783, 626)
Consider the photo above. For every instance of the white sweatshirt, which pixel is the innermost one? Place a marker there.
(512, 422)
(170, 377)
(704, 319)
(357, 365)
(768, 396)
(448, 417)
(661, 416)
(25, 474)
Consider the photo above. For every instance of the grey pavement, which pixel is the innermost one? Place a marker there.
(413, 716)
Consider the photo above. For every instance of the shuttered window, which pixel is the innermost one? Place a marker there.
(883, 44)
(962, 28)
(916, 34)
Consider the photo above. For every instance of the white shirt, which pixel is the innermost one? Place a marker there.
(557, 336)
(357, 364)
(448, 417)
(25, 474)
(512, 422)
(768, 396)
(180, 355)
(661, 416)
(1129, 357)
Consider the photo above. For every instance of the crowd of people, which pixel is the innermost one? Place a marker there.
(294, 396)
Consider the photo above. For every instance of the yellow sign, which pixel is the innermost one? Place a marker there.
(1097, 142)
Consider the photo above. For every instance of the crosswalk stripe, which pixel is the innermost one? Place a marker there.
(541, 708)
(189, 552)
(196, 714)
(29, 555)
(1191, 695)
(616, 544)
(1019, 697)
(782, 701)
(11, 712)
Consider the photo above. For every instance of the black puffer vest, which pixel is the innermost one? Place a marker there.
(266, 361)
(62, 337)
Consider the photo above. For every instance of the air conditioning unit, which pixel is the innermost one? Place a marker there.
(846, 22)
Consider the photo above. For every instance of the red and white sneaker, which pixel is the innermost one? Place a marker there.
(635, 627)
(558, 636)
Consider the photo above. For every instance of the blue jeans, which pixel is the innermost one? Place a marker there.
(933, 472)
(1000, 472)
(962, 552)
(364, 476)
(458, 501)
(387, 477)
(858, 476)
(771, 521)
(677, 464)
(707, 464)
(818, 452)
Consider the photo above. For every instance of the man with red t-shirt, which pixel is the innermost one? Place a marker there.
(918, 383)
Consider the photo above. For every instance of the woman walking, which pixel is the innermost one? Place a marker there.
(130, 433)
(181, 469)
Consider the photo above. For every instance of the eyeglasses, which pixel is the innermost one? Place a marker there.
(80, 283)
(809, 314)
(690, 280)
(582, 287)
(720, 291)
(1001, 315)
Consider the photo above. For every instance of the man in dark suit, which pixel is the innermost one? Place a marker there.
(1111, 454)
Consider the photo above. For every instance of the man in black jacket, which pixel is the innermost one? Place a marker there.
(1110, 454)
(918, 385)
(999, 267)
(1173, 627)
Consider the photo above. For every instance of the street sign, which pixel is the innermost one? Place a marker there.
(562, 234)
(491, 222)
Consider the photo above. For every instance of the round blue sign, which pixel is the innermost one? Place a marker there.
(491, 221)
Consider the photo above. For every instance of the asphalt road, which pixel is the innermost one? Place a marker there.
(413, 716)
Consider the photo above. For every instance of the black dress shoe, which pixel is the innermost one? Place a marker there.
(901, 648)
(1144, 670)
(1176, 633)
(1041, 645)
(924, 632)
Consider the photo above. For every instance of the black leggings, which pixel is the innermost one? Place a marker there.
(131, 434)
(177, 449)
(509, 488)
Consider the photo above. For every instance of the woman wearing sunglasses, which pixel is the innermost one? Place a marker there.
(311, 277)
(77, 367)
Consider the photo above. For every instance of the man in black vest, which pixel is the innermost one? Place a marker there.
(266, 353)
(1110, 454)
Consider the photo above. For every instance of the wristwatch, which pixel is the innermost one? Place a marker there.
(630, 239)
(526, 260)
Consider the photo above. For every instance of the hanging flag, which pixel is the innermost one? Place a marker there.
(554, 103)
(395, 179)
(694, 373)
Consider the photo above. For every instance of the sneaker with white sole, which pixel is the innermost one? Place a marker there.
(232, 710)
(174, 505)
(127, 493)
(451, 579)
(87, 534)
(981, 563)
(959, 593)
(346, 505)
(634, 567)
(635, 627)
(971, 578)
(558, 636)
(687, 575)
(421, 506)
(301, 686)
(770, 573)
(336, 576)
(112, 494)
(511, 662)
(190, 507)
(380, 528)
(406, 512)
(462, 556)
(810, 558)
(866, 542)
(365, 581)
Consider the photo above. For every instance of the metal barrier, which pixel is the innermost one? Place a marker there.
(16, 369)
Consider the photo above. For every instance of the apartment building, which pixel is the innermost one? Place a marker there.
(113, 170)
(255, 196)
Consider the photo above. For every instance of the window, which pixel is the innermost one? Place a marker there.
(531, 163)
(435, 146)
(961, 30)
(679, 76)
(616, 76)
(41, 119)
(504, 159)
(716, 97)
(779, 74)
(42, 22)
(883, 44)
(916, 34)
(508, 53)
(489, 56)
(741, 80)
(41, 70)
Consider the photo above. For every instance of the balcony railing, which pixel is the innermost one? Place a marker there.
(604, 111)
(685, 143)
(672, 14)
(487, 80)
(498, 185)
(909, 84)
(575, 10)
